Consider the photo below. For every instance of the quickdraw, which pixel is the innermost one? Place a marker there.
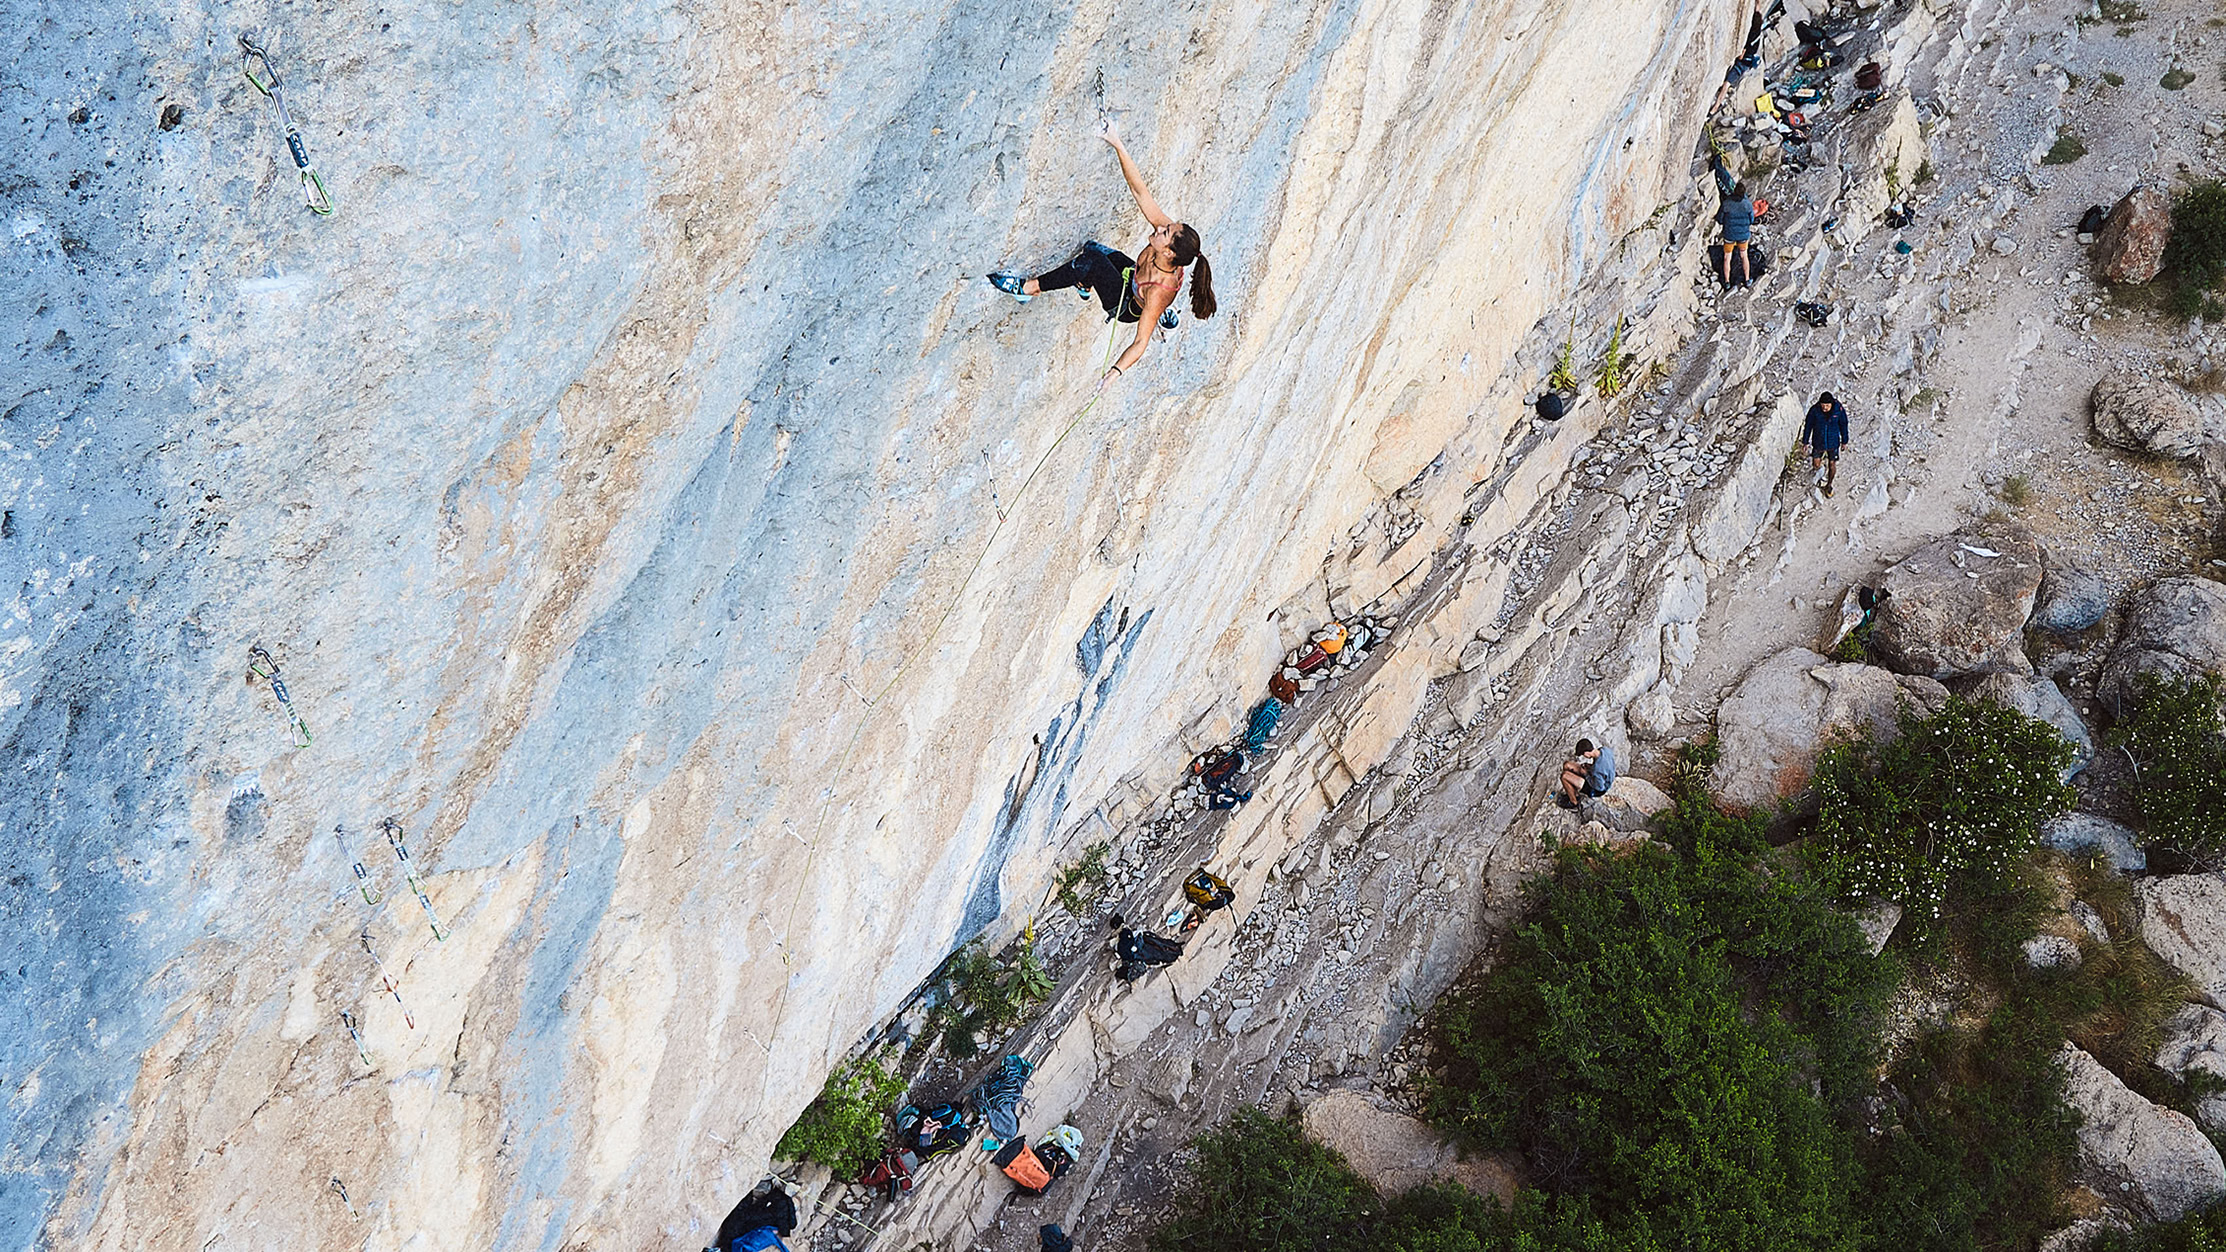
(260, 665)
(340, 1189)
(255, 63)
(393, 829)
(348, 1020)
(388, 979)
(363, 876)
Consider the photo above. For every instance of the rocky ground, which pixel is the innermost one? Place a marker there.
(1967, 362)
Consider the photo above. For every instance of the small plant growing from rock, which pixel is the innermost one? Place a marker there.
(2017, 491)
(1925, 173)
(1564, 375)
(1615, 366)
(1078, 883)
(983, 994)
(2068, 148)
(845, 1126)
(2175, 78)
(2114, 78)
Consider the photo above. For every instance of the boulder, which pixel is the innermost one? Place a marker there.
(2150, 1155)
(2183, 920)
(2079, 832)
(2174, 629)
(1632, 805)
(1949, 610)
(2195, 1042)
(2052, 952)
(2130, 246)
(2150, 415)
(1651, 717)
(2071, 600)
(2081, 1235)
(1877, 921)
(1397, 1152)
(2042, 699)
(1787, 709)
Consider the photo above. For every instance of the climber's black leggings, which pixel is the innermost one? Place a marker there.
(1099, 269)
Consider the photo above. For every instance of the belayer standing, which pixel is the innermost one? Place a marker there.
(1140, 290)
(1824, 431)
(1737, 217)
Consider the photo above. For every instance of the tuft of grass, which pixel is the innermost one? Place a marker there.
(2119, 11)
(2175, 78)
(2114, 78)
(1924, 173)
(1564, 375)
(2017, 491)
(1615, 368)
(1078, 883)
(2068, 148)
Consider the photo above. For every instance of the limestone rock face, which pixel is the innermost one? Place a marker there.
(1786, 709)
(2130, 247)
(735, 601)
(1951, 610)
(1397, 1152)
(2183, 920)
(2173, 1168)
(2042, 699)
(2174, 629)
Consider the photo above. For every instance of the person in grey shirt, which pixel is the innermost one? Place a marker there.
(1590, 773)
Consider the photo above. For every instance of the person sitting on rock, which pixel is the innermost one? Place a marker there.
(1141, 290)
(1824, 432)
(1590, 773)
(1737, 217)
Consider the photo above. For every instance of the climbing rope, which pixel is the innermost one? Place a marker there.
(255, 63)
(393, 829)
(260, 665)
(363, 876)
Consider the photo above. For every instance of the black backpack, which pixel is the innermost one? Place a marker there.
(1141, 951)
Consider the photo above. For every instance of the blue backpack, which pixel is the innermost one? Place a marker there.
(760, 1240)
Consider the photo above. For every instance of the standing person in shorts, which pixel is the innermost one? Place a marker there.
(1737, 217)
(1824, 432)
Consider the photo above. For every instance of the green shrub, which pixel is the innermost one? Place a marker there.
(2195, 260)
(1078, 883)
(2067, 149)
(2114, 78)
(845, 1128)
(2017, 491)
(2173, 736)
(1617, 1044)
(2175, 78)
(1957, 796)
(1261, 1186)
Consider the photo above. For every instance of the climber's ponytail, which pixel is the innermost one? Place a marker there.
(1186, 241)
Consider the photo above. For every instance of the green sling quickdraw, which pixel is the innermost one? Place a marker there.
(255, 63)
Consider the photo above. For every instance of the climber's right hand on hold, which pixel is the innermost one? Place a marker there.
(1109, 132)
(1106, 379)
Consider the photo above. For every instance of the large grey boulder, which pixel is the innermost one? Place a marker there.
(2176, 628)
(2143, 414)
(2183, 920)
(1631, 805)
(2195, 1042)
(1397, 1152)
(2154, 1157)
(2071, 600)
(2080, 832)
(1951, 608)
(2041, 699)
(1790, 706)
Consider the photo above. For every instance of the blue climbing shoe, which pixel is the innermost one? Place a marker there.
(1168, 320)
(1011, 285)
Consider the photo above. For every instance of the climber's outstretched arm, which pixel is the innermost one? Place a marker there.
(1152, 212)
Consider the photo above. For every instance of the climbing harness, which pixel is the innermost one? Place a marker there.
(255, 63)
(363, 876)
(393, 829)
(260, 665)
(348, 1020)
(388, 979)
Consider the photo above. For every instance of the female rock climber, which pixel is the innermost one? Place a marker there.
(1140, 290)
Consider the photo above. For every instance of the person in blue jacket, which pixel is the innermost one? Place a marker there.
(1824, 431)
(1737, 217)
